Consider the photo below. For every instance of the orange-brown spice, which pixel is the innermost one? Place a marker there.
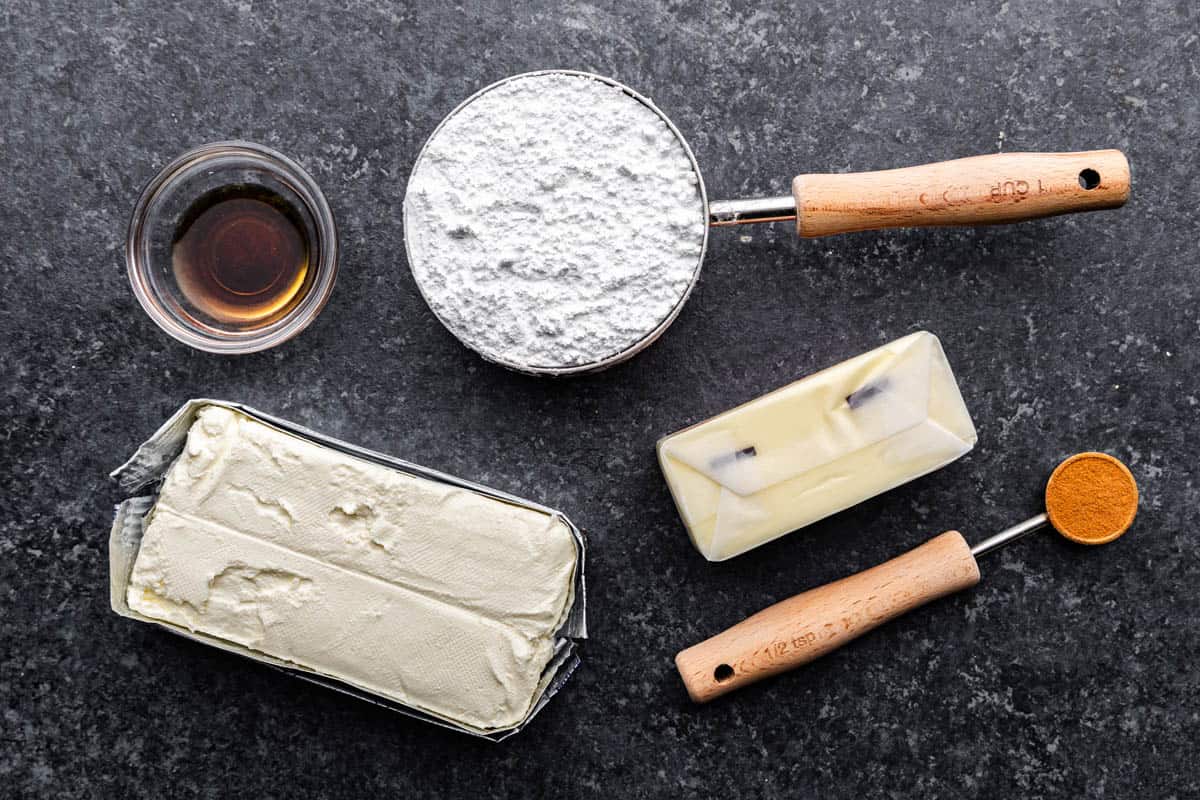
(1091, 498)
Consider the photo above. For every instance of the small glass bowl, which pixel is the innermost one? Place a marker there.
(168, 197)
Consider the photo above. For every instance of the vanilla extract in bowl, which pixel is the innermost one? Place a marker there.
(241, 255)
(232, 248)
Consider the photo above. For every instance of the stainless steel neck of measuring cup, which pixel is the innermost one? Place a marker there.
(759, 209)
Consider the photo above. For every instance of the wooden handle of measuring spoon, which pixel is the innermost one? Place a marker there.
(805, 627)
(984, 190)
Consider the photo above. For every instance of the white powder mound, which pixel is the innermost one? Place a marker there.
(554, 222)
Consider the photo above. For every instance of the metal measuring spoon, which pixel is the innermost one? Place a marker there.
(987, 189)
(1091, 498)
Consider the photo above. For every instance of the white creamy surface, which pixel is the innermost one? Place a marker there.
(554, 221)
(435, 596)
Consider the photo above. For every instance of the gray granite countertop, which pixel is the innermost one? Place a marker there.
(1066, 672)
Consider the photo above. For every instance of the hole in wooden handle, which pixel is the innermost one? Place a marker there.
(1089, 179)
(722, 673)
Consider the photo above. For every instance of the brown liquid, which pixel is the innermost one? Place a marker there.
(241, 255)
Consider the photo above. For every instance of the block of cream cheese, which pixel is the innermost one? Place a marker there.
(817, 446)
(427, 593)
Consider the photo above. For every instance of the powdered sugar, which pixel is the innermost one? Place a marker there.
(553, 222)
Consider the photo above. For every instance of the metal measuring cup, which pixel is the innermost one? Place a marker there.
(988, 189)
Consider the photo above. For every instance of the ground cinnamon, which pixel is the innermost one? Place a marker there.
(1091, 498)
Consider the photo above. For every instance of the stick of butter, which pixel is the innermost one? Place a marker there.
(817, 446)
(426, 593)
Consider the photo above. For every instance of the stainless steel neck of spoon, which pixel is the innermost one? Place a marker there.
(760, 209)
(1009, 535)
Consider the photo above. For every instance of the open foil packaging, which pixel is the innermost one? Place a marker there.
(145, 471)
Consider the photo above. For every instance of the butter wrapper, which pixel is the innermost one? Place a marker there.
(817, 446)
(146, 469)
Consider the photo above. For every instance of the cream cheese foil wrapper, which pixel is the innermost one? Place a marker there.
(142, 474)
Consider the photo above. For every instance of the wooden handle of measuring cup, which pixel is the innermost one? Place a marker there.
(805, 627)
(984, 190)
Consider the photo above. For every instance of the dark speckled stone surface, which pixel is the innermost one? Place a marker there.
(1067, 672)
